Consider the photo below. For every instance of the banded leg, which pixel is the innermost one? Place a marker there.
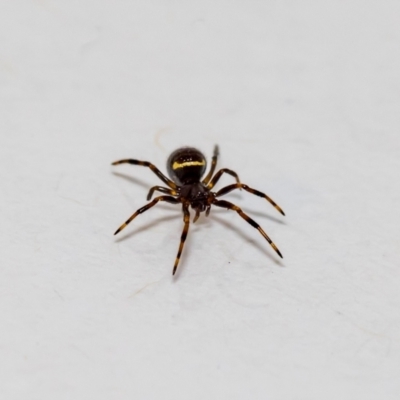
(230, 206)
(151, 166)
(229, 188)
(162, 190)
(213, 165)
(218, 175)
(186, 219)
(168, 199)
(196, 217)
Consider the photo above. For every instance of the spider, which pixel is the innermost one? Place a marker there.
(186, 166)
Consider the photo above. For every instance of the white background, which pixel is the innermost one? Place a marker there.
(303, 99)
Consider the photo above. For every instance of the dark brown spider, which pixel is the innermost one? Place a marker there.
(186, 167)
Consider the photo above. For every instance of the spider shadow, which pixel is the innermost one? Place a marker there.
(156, 222)
(202, 221)
(256, 213)
(238, 197)
(131, 179)
(247, 238)
(147, 226)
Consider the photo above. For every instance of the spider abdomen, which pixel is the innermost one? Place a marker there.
(186, 165)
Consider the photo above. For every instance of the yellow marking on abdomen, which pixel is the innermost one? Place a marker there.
(177, 165)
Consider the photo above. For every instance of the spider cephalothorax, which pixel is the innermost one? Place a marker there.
(186, 166)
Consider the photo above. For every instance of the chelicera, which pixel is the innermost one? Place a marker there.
(186, 166)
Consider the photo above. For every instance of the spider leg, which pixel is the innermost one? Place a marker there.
(218, 175)
(230, 206)
(162, 190)
(213, 165)
(168, 199)
(186, 219)
(229, 188)
(196, 217)
(151, 166)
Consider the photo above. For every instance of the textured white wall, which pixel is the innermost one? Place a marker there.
(303, 99)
